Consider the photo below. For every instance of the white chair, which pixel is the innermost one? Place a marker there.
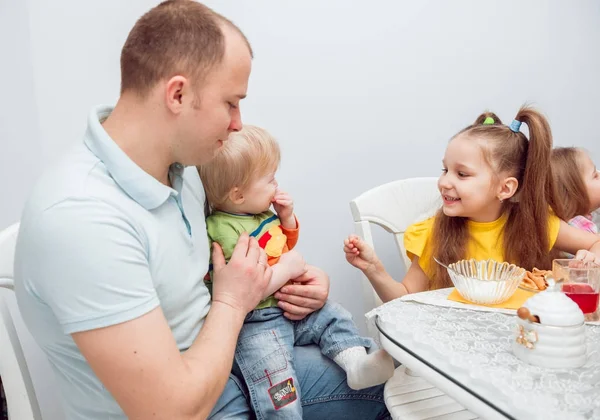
(18, 388)
(395, 206)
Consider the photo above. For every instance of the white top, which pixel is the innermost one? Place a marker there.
(102, 242)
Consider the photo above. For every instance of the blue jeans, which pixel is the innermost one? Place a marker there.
(277, 374)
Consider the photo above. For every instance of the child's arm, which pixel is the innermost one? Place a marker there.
(291, 235)
(585, 245)
(363, 257)
(583, 223)
(284, 207)
(291, 265)
(416, 280)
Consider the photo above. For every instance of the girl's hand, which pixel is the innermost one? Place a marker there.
(360, 254)
(587, 256)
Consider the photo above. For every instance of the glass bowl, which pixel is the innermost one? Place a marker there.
(485, 282)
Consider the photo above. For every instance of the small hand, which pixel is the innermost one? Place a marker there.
(294, 262)
(284, 207)
(587, 256)
(360, 254)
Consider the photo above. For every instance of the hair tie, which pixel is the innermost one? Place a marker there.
(515, 126)
(488, 121)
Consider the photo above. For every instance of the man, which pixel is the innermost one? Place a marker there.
(112, 248)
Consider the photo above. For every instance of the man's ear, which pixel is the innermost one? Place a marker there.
(236, 196)
(177, 89)
(508, 187)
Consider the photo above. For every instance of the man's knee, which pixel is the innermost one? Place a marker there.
(233, 402)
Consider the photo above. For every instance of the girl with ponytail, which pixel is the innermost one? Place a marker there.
(498, 202)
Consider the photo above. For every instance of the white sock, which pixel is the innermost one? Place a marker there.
(365, 370)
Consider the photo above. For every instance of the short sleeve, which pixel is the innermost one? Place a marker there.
(89, 264)
(553, 228)
(583, 223)
(416, 243)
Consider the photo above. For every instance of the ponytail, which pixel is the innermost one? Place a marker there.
(526, 236)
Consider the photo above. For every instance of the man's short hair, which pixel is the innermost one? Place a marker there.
(177, 37)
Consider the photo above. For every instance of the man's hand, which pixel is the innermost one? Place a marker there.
(242, 282)
(309, 295)
(139, 361)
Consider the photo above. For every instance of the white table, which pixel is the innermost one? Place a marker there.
(467, 354)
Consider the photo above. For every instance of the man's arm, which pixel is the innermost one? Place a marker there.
(139, 363)
(103, 295)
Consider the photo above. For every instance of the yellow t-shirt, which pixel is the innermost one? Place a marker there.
(486, 240)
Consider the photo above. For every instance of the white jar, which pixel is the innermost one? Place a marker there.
(558, 340)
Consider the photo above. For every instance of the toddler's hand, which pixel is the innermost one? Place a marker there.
(294, 263)
(284, 207)
(360, 254)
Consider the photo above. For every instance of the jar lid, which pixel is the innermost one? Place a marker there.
(555, 308)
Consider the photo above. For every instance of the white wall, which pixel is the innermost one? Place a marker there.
(21, 164)
(358, 93)
(361, 93)
(20, 156)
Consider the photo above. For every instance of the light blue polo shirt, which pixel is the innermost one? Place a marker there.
(102, 242)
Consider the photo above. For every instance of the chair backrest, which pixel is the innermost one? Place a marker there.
(8, 240)
(393, 206)
(18, 388)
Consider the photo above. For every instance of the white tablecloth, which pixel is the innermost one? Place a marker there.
(474, 348)
(440, 298)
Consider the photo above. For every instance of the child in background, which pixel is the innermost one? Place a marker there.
(577, 183)
(240, 188)
(497, 190)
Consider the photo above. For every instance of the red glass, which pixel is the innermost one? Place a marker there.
(581, 282)
(583, 295)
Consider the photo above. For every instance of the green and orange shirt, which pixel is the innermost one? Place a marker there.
(225, 229)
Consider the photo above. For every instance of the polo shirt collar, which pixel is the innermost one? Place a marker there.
(138, 184)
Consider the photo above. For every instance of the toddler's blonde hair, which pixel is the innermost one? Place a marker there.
(247, 154)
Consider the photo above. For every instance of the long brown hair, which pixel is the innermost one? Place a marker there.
(572, 196)
(526, 237)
